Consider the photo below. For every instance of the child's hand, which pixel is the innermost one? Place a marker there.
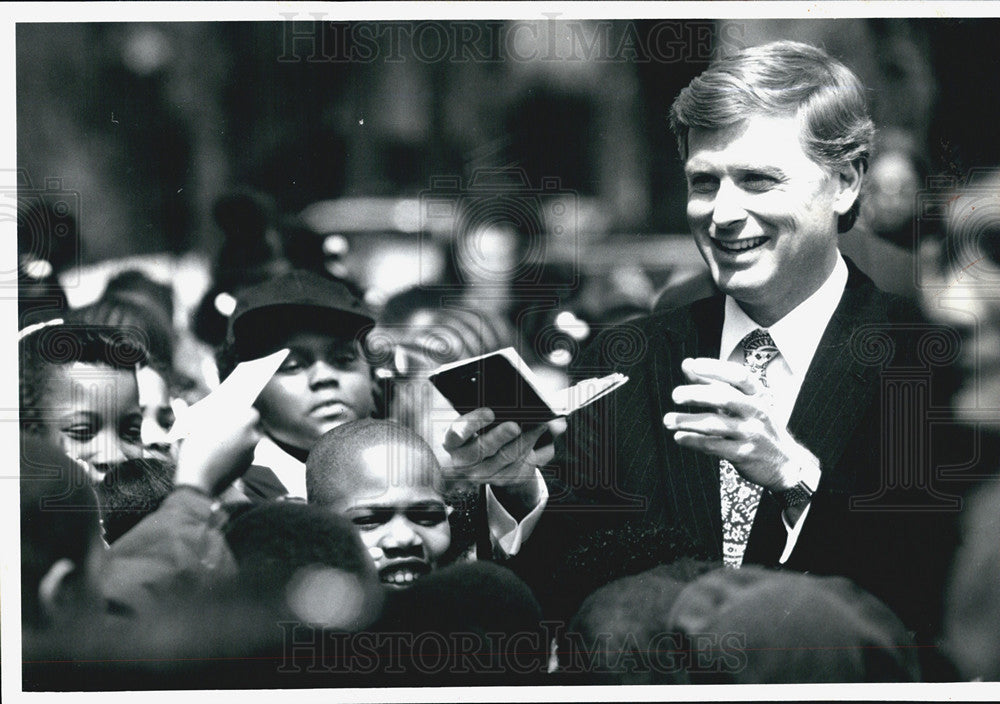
(215, 454)
(218, 434)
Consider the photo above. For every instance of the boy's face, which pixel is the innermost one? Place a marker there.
(92, 413)
(324, 382)
(402, 518)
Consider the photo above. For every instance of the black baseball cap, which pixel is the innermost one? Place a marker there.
(291, 302)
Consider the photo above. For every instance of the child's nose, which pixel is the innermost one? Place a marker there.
(399, 534)
(110, 449)
(107, 450)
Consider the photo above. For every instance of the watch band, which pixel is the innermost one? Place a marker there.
(798, 495)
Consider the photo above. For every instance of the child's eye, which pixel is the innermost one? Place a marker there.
(344, 359)
(165, 417)
(80, 432)
(293, 363)
(368, 521)
(342, 355)
(428, 516)
(132, 431)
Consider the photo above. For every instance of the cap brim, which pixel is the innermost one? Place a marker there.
(262, 329)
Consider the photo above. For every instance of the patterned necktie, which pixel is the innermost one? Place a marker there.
(740, 497)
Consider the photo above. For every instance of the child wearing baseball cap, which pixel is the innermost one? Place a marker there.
(325, 381)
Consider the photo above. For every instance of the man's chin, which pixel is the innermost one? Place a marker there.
(743, 285)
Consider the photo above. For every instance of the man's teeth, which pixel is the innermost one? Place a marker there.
(741, 245)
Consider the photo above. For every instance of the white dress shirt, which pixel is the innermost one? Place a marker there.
(796, 336)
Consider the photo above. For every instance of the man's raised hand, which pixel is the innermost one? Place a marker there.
(738, 423)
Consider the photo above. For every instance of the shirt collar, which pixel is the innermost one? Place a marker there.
(289, 471)
(797, 335)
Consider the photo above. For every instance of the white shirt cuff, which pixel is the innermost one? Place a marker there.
(506, 534)
(793, 534)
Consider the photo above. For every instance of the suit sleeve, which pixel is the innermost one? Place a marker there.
(576, 504)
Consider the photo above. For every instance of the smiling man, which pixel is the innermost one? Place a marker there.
(763, 213)
(755, 420)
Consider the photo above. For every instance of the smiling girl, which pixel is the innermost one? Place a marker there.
(78, 391)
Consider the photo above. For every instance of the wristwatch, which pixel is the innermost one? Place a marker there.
(802, 492)
(798, 495)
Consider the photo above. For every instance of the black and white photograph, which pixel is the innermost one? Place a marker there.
(502, 351)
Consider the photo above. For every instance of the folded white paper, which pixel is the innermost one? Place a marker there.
(238, 391)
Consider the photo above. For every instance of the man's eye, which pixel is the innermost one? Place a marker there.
(703, 183)
(428, 516)
(759, 182)
(80, 433)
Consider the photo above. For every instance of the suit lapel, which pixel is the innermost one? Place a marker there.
(691, 478)
(838, 385)
(836, 389)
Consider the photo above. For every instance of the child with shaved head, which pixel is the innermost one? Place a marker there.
(386, 479)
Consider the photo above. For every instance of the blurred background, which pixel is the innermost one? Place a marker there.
(524, 168)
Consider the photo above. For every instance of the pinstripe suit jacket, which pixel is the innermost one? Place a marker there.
(617, 462)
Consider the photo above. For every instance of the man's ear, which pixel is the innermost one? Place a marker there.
(52, 587)
(849, 178)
